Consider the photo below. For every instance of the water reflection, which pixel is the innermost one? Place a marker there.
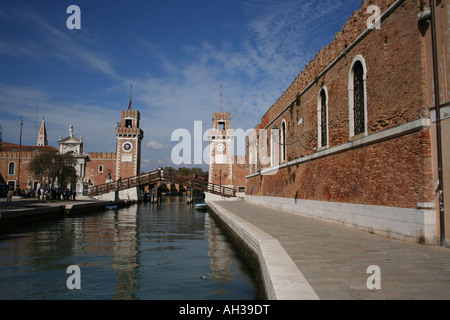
(146, 251)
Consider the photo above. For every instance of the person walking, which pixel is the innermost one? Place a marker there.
(9, 196)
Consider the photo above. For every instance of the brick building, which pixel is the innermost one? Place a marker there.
(93, 168)
(353, 139)
(14, 160)
(11, 160)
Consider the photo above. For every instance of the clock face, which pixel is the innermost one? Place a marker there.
(127, 147)
(220, 147)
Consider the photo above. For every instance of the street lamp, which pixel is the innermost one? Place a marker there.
(20, 151)
(220, 177)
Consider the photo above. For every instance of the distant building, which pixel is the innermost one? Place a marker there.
(74, 146)
(13, 157)
(93, 168)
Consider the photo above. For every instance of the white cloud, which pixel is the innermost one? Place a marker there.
(92, 122)
(155, 145)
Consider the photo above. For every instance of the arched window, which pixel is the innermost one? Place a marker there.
(283, 141)
(358, 97)
(12, 169)
(322, 117)
(274, 146)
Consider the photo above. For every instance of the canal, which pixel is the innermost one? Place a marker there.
(146, 251)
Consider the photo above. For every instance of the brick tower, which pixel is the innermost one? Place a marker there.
(129, 137)
(221, 153)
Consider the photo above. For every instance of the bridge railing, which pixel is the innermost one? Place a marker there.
(199, 184)
(162, 176)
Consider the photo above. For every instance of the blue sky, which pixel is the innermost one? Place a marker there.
(176, 53)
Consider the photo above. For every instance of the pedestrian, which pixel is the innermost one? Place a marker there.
(74, 193)
(9, 196)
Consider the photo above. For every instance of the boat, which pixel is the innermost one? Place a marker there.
(201, 206)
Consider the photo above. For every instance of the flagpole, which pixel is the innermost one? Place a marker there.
(131, 95)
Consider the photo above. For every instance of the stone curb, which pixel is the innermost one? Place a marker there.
(282, 279)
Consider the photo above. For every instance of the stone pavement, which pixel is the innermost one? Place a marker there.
(335, 259)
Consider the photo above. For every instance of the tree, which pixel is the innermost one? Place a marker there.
(51, 167)
(190, 172)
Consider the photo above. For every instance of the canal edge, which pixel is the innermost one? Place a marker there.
(281, 277)
(22, 215)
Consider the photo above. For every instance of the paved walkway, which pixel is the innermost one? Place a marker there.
(334, 259)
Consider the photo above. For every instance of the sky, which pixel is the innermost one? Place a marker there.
(179, 56)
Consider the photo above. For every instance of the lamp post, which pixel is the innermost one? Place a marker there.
(20, 151)
(220, 179)
(438, 124)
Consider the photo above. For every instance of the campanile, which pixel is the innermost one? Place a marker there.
(128, 137)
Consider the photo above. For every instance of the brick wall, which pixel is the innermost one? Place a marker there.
(393, 172)
(97, 159)
(26, 179)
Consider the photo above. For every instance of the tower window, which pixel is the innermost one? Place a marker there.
(100, 169)
(221, 125)
(128, 123)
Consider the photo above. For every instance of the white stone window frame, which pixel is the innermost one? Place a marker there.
(13, 168)
(352, 135)
(275, 147)
(283, 140)
(319, 119)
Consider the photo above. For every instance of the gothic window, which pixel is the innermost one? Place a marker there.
(357, 97)
(275, 146)
(322, 116)
(12, 169)
(283, 141)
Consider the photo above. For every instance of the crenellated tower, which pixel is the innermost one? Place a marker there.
(221, 150)
(129, 137)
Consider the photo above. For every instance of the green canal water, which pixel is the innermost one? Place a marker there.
(147, 251)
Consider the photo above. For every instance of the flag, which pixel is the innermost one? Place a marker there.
(131, 96)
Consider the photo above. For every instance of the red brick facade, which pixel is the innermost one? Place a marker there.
(101, 167)
(11, 160)
(390, 163)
